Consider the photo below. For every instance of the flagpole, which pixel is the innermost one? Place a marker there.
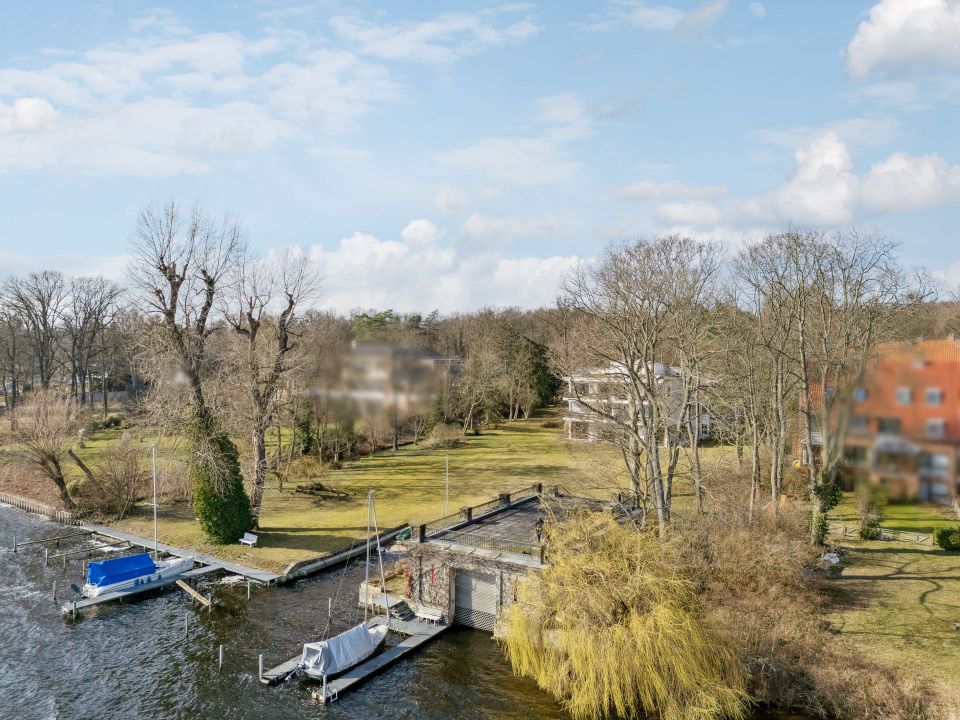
(156, 553)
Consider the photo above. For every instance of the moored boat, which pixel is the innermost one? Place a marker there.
(133, 571)
(338, 654)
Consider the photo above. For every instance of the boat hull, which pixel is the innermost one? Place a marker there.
(165, 569)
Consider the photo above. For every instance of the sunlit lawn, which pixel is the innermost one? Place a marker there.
(911, 517)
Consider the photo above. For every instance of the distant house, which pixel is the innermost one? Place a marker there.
(904, 430)
(605, 389)
(905, 427)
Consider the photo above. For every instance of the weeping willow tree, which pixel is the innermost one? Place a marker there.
(612, 627)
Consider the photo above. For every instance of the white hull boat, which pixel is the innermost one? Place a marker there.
(131, 572)
(329, 658)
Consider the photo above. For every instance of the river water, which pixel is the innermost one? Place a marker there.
(138, 660)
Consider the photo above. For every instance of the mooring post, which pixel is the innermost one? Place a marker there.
(64, 556)
(14, 544)
(260, 675)
(46, 556)
(329, 608)
(74, 615)
(209, 602)
(324, 689)
(220, 665)
(54, 592)
(186, 626)
(248, 590)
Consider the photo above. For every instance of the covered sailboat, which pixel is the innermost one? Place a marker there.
(341, 652)
(129, 572)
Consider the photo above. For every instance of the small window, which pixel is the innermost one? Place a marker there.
(936, 428)
(859, 422)
(935, 463)
(934, 396)
(860, 394)
(855, 455)
(904, 396)
(888, 426)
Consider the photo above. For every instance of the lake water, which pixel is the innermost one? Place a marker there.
(136, 660)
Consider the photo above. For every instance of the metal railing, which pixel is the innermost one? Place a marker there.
(488, 542)
(467, 514)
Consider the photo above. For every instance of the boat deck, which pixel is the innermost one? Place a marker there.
(418, 634)
(75, 607)
(255, 574)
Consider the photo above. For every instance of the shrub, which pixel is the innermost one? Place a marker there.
(869, 532)
(551, 424)
(444, 436)
(948, 538)
(121, 480)
(870, 501)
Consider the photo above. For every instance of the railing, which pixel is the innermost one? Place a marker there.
(487, 542)
(885, 534)
(440, 524)
(472, 513)
(61, 516)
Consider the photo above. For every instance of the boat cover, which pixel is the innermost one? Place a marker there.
(343, 651)
(108, 572)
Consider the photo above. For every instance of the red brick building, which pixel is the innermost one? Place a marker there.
(905, 428)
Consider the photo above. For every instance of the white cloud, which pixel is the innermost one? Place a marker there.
(905, 182)
(649, 190)
(823, 190)
(370, 272)
(26, 115)
(486, 229)
(906, 36)
(566, 116)
(520, 160)
(450, 200)
(758, 9)
(443, 39)
(420, 232)
(653, 17)
(688, 213)
(857, 130)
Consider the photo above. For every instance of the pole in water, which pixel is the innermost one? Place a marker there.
(324, 689)
(186, 625)
(261, 667)
(220, 660)
(209, 603)
(14, 544)
(329, 608)
(46, 556)
(74, 609)
(248, 589)
(64, 556)
(54, 592)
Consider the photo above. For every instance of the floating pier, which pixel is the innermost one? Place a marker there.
(418, 634)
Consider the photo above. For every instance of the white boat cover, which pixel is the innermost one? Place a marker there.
(343, 651)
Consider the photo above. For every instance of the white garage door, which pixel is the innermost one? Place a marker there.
(476, 599)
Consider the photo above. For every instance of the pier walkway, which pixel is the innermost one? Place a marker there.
(418, 634)
(264, 577)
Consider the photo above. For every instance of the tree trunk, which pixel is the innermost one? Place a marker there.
(259, 473)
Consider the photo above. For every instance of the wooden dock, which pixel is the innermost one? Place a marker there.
(265, 577)
(75, 607)
(418, 634)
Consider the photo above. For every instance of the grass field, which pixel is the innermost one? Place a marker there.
(911, 517)
(409, 487)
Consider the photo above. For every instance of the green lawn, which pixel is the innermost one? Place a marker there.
(911, 517)
(409, 487)
(898, 605)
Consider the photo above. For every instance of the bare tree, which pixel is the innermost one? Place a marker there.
(46, 424)
(182, 261)
(89, 310)
(264, 313)
(625, 310)
(39, 299)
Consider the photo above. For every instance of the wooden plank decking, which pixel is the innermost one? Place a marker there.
(261, 576)
(418, 634)
(75, 607)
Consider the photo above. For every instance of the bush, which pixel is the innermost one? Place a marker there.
(443, 437)
(948, 538)
(551, 424)
(869, 532)
(870, 501)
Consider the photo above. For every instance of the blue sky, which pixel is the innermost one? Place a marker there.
(460, 155)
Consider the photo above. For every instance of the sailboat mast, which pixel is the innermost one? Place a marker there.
(154, 463)
(366, 579)
(383, 581)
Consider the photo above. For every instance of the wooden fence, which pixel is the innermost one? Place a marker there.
(885, 534)
(32, 506)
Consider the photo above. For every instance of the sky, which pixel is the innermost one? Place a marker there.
(455, 156)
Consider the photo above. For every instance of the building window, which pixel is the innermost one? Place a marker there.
(934, 396)
(859, 422)
(860, 394)
(936, 428)
(904, 396)
(888, 426)
(855, 455)
(935, 463)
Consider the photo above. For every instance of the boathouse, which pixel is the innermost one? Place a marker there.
(466, 565)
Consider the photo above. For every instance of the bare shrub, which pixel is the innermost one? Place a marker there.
(444, 437)
(119, 481)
